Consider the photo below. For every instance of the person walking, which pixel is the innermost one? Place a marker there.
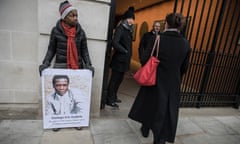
(122, 44)
(157, 107)
(68, 43)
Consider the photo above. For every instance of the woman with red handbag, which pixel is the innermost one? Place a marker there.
(156, 107)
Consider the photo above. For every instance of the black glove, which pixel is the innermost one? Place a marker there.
(41, 68)
(91, 68)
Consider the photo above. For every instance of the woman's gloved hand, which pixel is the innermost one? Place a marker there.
(41, 68)
(91, 68)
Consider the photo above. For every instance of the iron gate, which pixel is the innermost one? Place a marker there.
(213, 30)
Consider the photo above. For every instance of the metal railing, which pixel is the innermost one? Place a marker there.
(213, 30)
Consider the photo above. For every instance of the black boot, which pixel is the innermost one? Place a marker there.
(160, 142)
(144, 131)
(55, 129)
(117, 100)
(78, 128)
(114, 105)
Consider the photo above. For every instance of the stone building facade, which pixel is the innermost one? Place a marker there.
(25, 27)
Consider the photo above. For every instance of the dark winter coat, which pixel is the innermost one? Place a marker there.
(146, 45)
(58, 46)
(122, 44)
(157, 106)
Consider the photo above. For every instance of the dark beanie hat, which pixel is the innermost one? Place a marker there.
(64, 8)
(129, 13)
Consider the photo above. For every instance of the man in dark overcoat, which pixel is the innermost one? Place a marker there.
(147, 42)
(122, 44)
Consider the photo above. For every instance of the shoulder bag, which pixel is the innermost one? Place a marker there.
(146, 75)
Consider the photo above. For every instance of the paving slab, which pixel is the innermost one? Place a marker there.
(212, 126)
(231, 121)
(186, 127)
(209, 139)
(20, 131)
(113, 131)
(67, 136)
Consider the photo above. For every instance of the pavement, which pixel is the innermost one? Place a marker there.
(195, 126)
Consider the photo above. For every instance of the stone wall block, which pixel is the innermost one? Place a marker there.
(5, 45)
(25, 46)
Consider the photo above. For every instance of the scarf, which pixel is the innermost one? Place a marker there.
(72, 53)
(127, 26)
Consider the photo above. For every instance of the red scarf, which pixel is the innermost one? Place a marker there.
(72, 53)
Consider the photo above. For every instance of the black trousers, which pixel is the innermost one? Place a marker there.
(114, 83)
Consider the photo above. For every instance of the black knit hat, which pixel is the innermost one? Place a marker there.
(129, 13)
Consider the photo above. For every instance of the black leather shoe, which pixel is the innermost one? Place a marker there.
(112, 105)
(78, 128)
(118, 101)
(144, 131)
(160, 142)
(55, 129)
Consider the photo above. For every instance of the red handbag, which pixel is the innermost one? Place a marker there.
(146, 75)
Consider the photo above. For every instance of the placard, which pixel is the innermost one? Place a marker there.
(66, 96)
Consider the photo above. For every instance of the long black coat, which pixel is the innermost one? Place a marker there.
(122, 44)
(158, 106)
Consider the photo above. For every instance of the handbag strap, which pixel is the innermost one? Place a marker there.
(156, 44)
